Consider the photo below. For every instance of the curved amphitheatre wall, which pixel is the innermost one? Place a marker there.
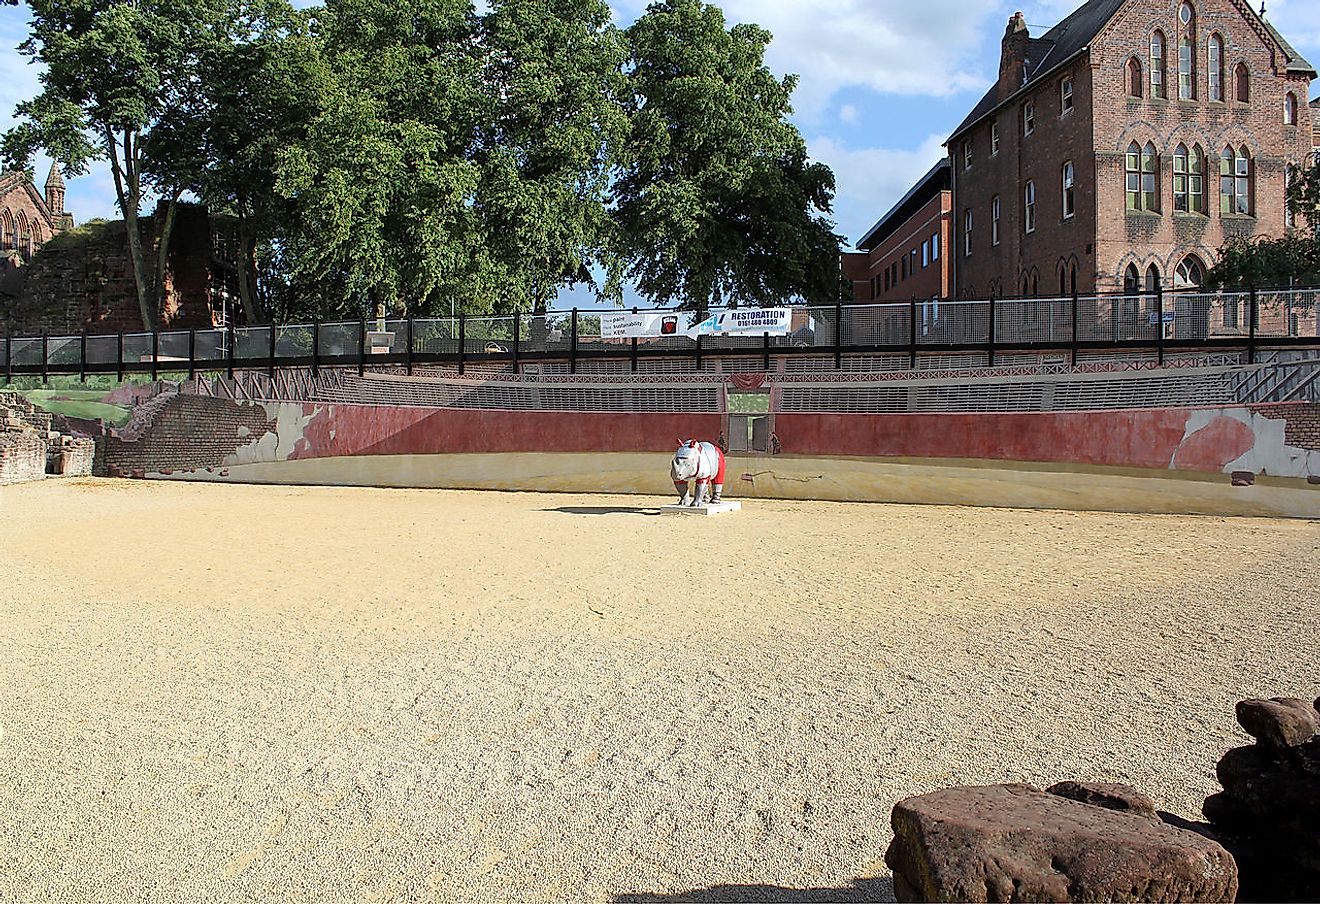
(1227, 459)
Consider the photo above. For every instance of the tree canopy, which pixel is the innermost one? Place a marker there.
(1293, 259)
(408, 157)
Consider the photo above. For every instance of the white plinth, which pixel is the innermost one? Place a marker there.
(709, 510)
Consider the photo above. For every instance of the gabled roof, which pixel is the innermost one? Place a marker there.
(940, 178)
(1072, 37)
(19, 179)
(1047, 53)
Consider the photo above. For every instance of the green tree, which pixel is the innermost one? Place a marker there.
(381, 185)
(553, 76)
(113, 72)
(1293, 259)
(717, 200)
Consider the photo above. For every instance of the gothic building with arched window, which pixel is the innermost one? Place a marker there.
(1125, 144)
(28, 219)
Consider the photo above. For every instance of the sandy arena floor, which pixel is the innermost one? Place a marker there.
(229, 693)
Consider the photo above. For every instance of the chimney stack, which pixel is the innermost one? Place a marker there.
(1013, 56)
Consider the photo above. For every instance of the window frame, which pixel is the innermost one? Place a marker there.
(1028, 118)
(1289, 109)
(1159, 80)
(967, 232)
(1069, 177)
(994, 138)
(1214, 52)
(995, 210)
(1065, 95)
(1029, 207)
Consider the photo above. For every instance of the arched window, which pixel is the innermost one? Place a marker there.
(1069, 199)
(1152, 279)
(8, 237)
(1235, 177)
(1063, 280)
(1243, 81)
(1132, 165)
(1029, 207)
(1131, 280)
(1135, 82)
(1035, 284)
(1024, 285)
(1187, 52)
(1188, 180)
(1157, 88)
(1290, 109)
(1072, 279)
(1143, 177)
(1189, 274)
(1216, 67)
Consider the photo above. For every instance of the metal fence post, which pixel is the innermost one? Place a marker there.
(232, 336)
(991, 331)
(1251, 327)
(316, 348)
(270, 366)
(765, 351)
(82, 358)
(634, 349)
(1074, 327)
(698, 351)
(155, 353)
(119, 356)
(838, 335)
(45, 357)
(1159, 320)
(517, 339)
(573, 344)
(409, 358)
(362, 346)
(462, 342)
(912, 334)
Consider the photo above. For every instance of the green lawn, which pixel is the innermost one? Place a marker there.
(83, 403)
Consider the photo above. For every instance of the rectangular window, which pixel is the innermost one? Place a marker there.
(967, 233)
(904, 263)
(1181, 193)
(935, 247)
(1216, 67)
(994, 220)
(1028, 118)
(1068, 190)
(1066, 95)
(1133, 166)
(925, 254)
(1150, 179)
(1186, 83)
(994, 138)
(1243, 185)
(1029, 220)
(967, 154)
(1289, 219)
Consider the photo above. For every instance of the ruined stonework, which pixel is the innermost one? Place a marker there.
(31, 449)
(83, 279)
(176, 432)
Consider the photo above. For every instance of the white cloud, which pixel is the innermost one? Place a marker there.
(848, 113)
(872, 180)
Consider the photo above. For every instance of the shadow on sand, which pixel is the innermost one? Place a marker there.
(649, 511)
(861, 890)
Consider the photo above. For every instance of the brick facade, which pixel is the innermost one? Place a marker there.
(184, 433)
(28, 220)
(905, 255)
(1102, 237)
(31, 446)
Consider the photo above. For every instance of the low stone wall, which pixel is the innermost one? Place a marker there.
(22, 456)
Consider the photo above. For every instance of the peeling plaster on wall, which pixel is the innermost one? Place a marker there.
(279, 444)
(1271, 455)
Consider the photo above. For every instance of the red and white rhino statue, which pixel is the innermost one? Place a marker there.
(698, 472)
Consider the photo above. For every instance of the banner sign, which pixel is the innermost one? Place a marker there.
(736, 322)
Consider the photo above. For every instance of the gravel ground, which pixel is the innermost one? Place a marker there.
(229, 693)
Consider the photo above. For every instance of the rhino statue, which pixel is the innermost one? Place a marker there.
(698, 472)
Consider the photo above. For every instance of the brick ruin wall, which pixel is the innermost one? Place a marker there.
(31, 446)
(1303, 424)
(83, 280)
(185, 433)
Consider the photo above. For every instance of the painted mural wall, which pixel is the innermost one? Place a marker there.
(1175, 460)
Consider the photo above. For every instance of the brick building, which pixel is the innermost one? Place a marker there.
(1124, 144)
(902, 257)
(28, 219)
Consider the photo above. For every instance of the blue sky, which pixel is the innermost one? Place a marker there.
(883, 82)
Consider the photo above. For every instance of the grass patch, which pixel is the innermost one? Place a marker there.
(85, 403)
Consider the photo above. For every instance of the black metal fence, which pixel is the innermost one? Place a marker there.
(1160, 321)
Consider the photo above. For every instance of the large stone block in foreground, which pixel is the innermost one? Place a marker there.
(1016, 843)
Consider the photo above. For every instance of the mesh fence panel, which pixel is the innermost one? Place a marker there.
(252, 342)
(1033, 320)
(102, 349)
(64, 351)
(339, 339)
(137, 348)
(294, 341)
(1286, 313)
(211, 345)
(881, 324)
(173, 347)
(953, 322)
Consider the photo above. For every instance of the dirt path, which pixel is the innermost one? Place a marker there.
(230, 693)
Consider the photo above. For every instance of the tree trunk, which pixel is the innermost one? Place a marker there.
(252, 308)
(163, 251)
(129, 195)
